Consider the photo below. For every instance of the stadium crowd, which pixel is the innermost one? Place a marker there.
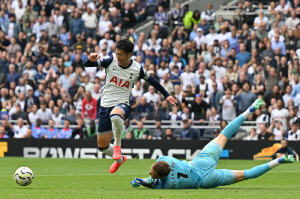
(216, 68)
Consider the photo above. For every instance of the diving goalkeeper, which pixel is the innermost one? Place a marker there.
(170, 173)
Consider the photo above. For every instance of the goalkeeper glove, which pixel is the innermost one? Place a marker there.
(145, 182)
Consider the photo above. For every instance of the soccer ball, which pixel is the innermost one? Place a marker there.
(23, 176)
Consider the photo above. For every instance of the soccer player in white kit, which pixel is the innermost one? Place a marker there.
(121, 73)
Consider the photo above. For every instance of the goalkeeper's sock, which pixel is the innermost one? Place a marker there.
(233, 126)
(257, 171)
(118, 127)
(261, 169)
(110, 151)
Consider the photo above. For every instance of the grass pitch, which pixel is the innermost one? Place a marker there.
(87, 178)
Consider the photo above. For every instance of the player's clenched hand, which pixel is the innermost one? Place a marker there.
(172, 100)
(94, 57)
(136, 182)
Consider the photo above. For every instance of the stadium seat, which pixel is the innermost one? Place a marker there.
(208, 133)
(177, 133)
(151, 10)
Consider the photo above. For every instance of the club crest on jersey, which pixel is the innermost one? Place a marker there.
(120, 82)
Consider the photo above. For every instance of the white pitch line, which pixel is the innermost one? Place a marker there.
(88, 174)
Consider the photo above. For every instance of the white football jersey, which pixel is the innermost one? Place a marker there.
(119, 81)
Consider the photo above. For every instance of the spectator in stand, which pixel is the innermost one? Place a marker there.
(140, 132)
(177, 16)
(37, 130)
(89, 105)
(90, 22)
(76, 27)
(189, 97)
(54, 48)
(294, 133)
(245, 97)
(2, 132)
(152, 98)
(229, 103)
(277, 130)
(13, 76)
(18, 113)
(253, 135)
(45, 114)
(188, 132)
(162, 18)
(144, 111)
(272, 94)
(14, 49)
(52, 28)
(128, 16)
(20, 130)
(187, 78)
(281, 114)
(199, 109)
(204, 25)
(96, 94)
(71, 116)
(30, 99)
(33, 116)
(92, 129)
(80, 132)
(65, 80)
(57, 117)
(292, 21)
(284, 150)
(158, 133)
(264, 133)
(209, 14)
(87, 84)
(278, 44)
(51, 132)
(166, 83)
(66, 132)
(243, 56)
(8, 128)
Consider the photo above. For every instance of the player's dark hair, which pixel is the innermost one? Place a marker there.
(126, 45)
(162, 168)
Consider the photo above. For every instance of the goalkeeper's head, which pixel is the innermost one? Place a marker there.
(159, 170)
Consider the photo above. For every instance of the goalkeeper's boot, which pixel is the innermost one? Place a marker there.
(115, 166)
(286, 159)
(256, 105)
(117, 153)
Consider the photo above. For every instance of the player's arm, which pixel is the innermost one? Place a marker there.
(94, 60)
(146, 76)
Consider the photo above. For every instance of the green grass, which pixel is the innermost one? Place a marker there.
(87, 178)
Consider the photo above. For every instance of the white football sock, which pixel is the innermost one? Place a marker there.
(110, 151)
(118, 128)
(274, 163)
(246, 114)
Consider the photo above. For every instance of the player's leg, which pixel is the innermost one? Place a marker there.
(233, 126)
(261, 169)
(104, 137)
(117, 121)
(222, 177)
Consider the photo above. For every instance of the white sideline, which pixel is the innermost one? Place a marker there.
(121, 174)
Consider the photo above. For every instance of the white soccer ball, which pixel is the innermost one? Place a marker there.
(23, 176)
